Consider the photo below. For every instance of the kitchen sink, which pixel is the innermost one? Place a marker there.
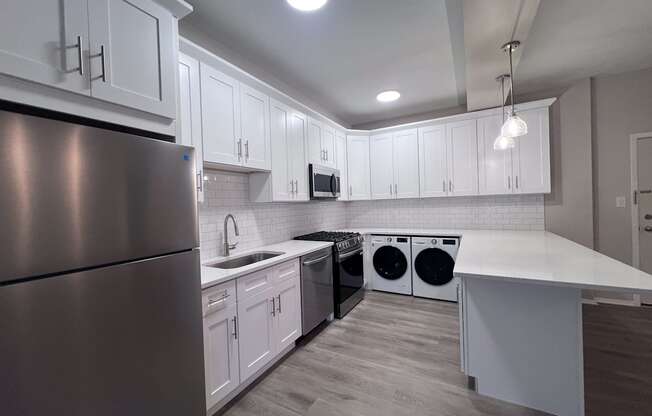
(245, 260)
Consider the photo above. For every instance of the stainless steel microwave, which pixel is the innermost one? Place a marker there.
(324, 182)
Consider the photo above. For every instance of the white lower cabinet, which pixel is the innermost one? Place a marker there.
(244, 334)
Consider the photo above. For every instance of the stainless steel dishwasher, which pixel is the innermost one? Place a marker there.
(316, 288)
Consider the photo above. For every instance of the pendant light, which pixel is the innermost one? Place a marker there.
(503, 142)
(515, 126)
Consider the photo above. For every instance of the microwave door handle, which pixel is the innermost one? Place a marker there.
(333, 184)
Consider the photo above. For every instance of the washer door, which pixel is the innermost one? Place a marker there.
(390, 263)
(434, 266)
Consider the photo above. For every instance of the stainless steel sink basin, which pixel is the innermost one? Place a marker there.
(245, 260)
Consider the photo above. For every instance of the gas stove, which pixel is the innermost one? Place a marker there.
(344, 241)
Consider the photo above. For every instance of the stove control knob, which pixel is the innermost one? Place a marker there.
(434, 241)
(389, 239)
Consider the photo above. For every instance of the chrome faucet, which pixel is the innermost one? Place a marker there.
(228, 247)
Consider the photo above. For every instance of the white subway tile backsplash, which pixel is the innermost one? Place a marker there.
(262, 224)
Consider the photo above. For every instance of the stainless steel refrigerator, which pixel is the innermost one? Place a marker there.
(100, 294)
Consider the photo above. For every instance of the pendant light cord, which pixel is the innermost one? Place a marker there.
(511, 79)
(502, 90)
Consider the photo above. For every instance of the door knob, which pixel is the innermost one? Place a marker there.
(648, 217)
(648, 229)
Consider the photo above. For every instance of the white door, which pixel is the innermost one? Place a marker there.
(221, 354)
(254, 110)
(220, 98)
(316, 152)
(297, 151)
(532, 154)
(381, 156)
(644, 200)
(288, 313)
(256, 316)
(328, 144)
(133, 54)
(341, 165)
(433, 161)
(40, 42)
(494, 166)
(406, 164)
(282, 181)
(358, 167)
(462, 146)
(189, 122)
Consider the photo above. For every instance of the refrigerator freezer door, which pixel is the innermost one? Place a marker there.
(121, 340)
(73, 197)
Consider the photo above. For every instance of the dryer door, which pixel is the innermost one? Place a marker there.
(434, 266)
(390, 263)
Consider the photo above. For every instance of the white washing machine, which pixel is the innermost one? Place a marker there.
(433, 259)
(391, 264)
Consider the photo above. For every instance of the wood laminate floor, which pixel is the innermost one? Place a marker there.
(391, 356)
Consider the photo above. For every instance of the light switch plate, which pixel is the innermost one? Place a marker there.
(621, 202)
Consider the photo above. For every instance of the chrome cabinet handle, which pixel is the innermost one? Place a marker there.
(103, 61)
(350, 190)
(648, 229)
(516, 181)
(213, 302)
(291, 187)
(239, 149)
(390, 189)
(279, 304)
(273, 306)
(443, 185)
(296, 186)
(80, 55)
(648, 217)
(395, 189)
(326, 152)
(235, 327)
(200, 182)
(509, 182)
(247, 149)
(450, 185)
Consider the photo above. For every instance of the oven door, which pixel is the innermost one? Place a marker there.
(324, 182)
(348, 281)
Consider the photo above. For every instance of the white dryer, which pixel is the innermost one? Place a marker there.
(391, 264)
(433, 259)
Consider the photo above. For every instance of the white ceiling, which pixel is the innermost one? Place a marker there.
(344, 54)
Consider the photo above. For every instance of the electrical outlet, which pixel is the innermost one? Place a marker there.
(621, 202)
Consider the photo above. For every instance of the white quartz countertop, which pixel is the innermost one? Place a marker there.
(211, 276)
(533, 256)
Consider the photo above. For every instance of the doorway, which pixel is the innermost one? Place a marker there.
(641, 152)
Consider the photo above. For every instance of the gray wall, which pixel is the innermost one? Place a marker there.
(621, 105)
(569, 208)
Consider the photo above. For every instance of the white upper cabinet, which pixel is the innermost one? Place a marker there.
(298, 165)
(132, 53)
(220, 97)
(321, 143)
(46, 42)
(381, 155)
(406, 164)
(189, 121)
(328, 144)
(358, 167)
(254, 110)
(433, 161)
(532, 154)
(494, 166)
(462, 149)
(341, 164)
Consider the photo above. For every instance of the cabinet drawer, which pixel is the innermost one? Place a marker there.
(218, 297)
(255, 283)
(286, 271)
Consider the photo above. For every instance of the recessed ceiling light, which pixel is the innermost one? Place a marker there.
(388, 96)
(307, 5)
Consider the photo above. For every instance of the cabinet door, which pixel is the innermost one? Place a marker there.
(220, 103)
(328, 145)
(288, 313)
(358, 167)
(494, 166)
(341, 165)
(254, 111)
(256, 316)
(189, 122)
(406, 164)
(297, 151)
(382, 166)
(39, 41)
(462, 146)
(280, 119)
(433, 161)
(133, 54)
(316, 152)
(532, 154)
(221, 354)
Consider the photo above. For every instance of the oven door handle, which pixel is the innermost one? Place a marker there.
(315, 261)
(346, 256)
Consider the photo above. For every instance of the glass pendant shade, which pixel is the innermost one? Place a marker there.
(504, 143)
(514, 126)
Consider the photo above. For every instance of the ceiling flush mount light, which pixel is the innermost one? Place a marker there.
(503, 142)
(388, 96)
(307, 5)
(515, 126)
